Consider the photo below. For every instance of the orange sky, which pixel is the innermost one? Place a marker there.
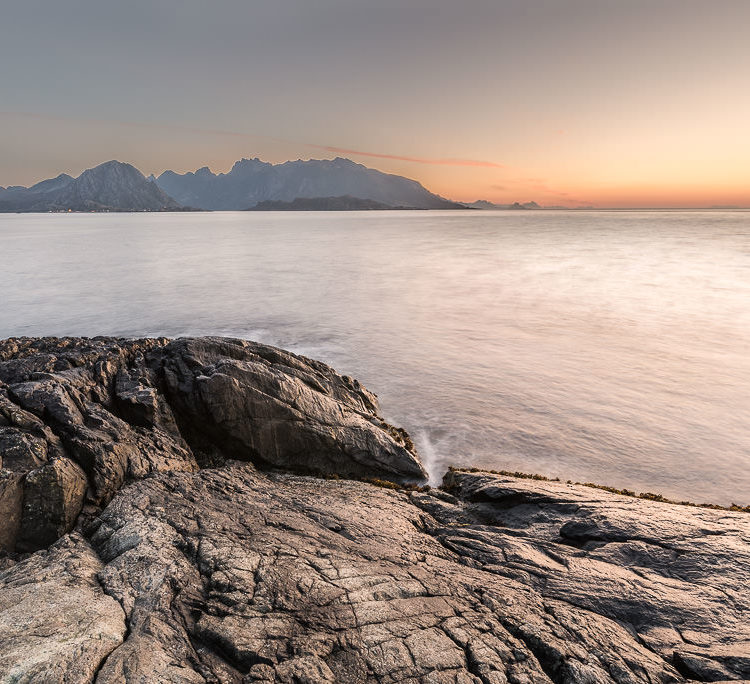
(565, 102)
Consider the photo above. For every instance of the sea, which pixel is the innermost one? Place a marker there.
(594, 346)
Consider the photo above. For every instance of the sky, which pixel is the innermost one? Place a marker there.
(611, 103)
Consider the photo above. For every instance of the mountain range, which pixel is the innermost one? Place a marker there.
(485, 204)
(252, 181)
(313, 185)
(112, 186)
(251, 184)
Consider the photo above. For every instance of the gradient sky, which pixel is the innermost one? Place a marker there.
(604, 102)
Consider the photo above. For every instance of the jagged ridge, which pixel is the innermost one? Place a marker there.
(251, 181)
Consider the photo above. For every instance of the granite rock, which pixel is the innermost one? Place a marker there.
(200, 557)
(231, 574)
(81, 417)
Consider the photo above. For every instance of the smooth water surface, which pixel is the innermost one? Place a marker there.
(598, 346)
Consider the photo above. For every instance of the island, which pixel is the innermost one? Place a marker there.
(218, 510)
(341, 203)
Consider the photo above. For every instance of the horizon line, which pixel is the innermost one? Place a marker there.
(466, 162)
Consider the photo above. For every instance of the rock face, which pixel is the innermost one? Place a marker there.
(201, 568)
(80, 417)
(112, 186)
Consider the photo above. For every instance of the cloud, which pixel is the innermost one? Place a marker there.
(236, 134)
(416, 160)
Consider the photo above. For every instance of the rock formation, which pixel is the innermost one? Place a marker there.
(80, 417)
(198, 556)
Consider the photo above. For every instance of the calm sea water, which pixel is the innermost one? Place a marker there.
(600, 346)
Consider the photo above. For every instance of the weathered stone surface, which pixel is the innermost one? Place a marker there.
(123, 409)
(258, 403)
(674, 575)
(241, 573)
(11, 506)
(235, 575)
(56, 623)
(52, 499)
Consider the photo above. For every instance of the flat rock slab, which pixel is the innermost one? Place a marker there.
(234, 575)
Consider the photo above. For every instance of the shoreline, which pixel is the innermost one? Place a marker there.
(216, 510)
(647, 496)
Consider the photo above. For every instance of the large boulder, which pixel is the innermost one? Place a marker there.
(81, 417)
(257, 403)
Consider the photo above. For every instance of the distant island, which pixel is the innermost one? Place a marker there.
(485, 204)
(343, 203)
(251, 185)
(335, 184)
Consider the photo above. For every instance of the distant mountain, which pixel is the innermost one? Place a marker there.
(343, 203)
(252, 181)
(525, 205)
(484, 204)
(112, 186)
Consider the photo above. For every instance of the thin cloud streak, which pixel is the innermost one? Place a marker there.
(416, 160)
(236, 134)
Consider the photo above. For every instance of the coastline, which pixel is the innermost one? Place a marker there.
(211, 509)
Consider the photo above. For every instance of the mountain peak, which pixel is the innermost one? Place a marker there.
(248, 164)
(113, 165)
(111, 186)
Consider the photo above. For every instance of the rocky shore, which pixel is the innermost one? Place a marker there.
(215, 510)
